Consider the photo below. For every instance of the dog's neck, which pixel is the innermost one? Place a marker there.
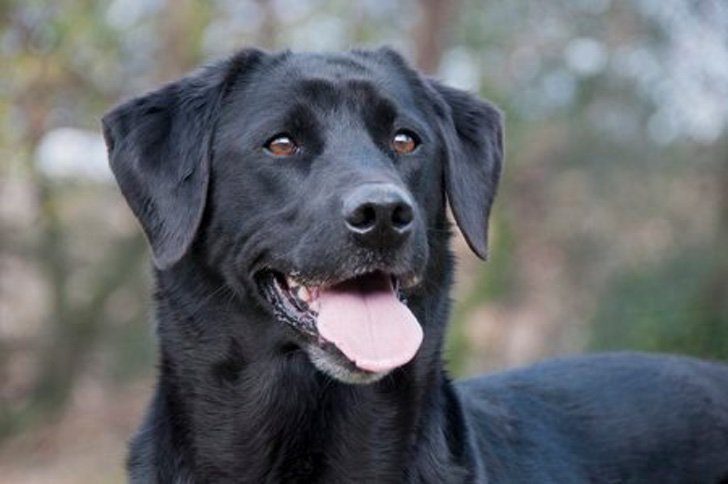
(234, 407)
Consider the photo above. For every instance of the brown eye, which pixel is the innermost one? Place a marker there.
(282, 145)
(404, 142)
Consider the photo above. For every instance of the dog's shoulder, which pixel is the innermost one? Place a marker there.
(586, 416)
(629, 386)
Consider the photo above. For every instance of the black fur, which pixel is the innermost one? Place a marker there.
(239, 400)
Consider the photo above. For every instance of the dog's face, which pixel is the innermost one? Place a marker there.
(316, 186)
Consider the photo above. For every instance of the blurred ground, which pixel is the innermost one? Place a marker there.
(610, 230)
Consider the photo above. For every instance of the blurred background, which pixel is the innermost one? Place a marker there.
(610, 231)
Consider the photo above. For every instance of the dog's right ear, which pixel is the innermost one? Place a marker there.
(159, 151)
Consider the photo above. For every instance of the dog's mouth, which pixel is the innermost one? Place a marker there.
(362, 320)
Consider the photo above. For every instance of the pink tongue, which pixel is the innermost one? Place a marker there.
(366, 322)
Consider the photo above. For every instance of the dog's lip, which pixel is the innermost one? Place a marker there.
(286, 306)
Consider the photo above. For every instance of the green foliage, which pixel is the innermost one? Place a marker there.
(678, 306)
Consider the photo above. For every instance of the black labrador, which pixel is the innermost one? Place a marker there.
(295, 205)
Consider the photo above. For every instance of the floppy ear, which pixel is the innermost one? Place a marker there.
(473, 135)
(159, 150)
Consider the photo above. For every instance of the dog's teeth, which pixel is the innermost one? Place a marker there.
(411, 281)
(303, 294)
(314, 306)
(292, 282)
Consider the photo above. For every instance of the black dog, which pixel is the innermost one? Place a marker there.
(295, 206)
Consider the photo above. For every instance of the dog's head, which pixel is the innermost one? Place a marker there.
(315, 183)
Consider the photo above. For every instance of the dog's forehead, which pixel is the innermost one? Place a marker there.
(333, 77)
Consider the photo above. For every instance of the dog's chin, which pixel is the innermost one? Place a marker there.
(345, 372)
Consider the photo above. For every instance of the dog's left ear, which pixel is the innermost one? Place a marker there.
(473, 135)
(159, 150)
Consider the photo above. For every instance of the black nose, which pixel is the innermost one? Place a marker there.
(379, 215)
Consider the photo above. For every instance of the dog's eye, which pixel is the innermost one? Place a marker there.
(404, 142)
(281, 145)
